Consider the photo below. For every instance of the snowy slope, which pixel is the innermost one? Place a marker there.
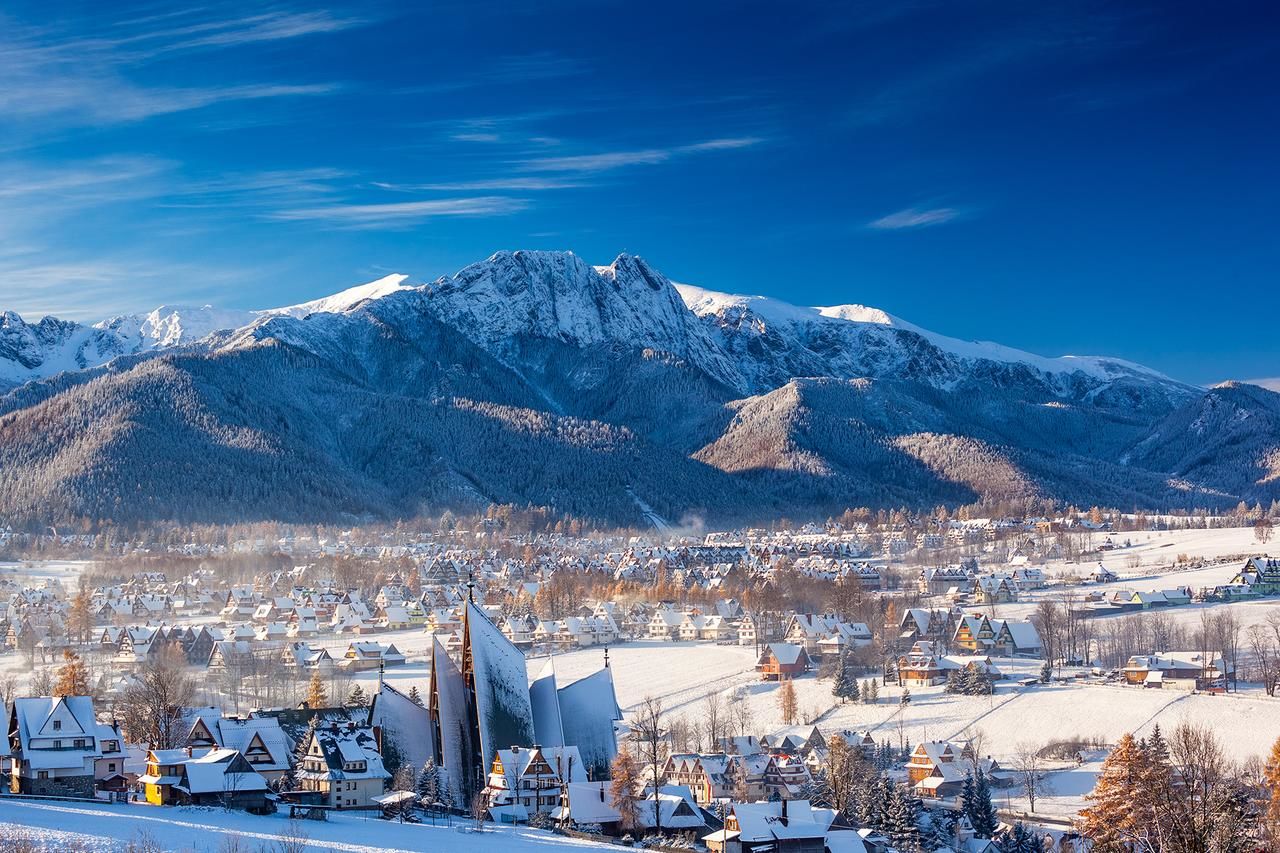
(344, 301)
(849, 341)
(81, 826)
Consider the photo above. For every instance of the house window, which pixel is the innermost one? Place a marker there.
(42, 774)
(57, 725)
(79, 743)
(57, 744)
(111, 767)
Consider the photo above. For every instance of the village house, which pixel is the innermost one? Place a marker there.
(709, 776)
(53, 746)
(368, 655)
(665, 624)
(810, 630)
(994, 589)
(920, 624)
(1101, 574)
(219, 777)
(1176, 670)
(528, 780)
(1261, 575)
(343, 764)
(110, 769)
(937, 769)
(261, 741)
(938, 581)
(980, 634)
(923, 666)
(786, 776)
(782, 662)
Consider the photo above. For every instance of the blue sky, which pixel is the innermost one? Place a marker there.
(1062, 177)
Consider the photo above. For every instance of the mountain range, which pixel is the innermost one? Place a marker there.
(605, 391)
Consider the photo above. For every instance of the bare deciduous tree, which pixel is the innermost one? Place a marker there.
(1029, 766)
(649, 734)
(153, 706)
(714, 720)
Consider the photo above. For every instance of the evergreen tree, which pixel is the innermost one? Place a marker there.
(905, 699)
(869, 805)
(967, 803)
(855, 693)
(885, 761)
(446, 791)
(1021, 840)
(985, 822)
(357, 698)
(817, 790)
(414, 695)
(844, 686)
(1046, 673)
(903, 819)
(941, 830)
(954, 682)
(1157, 749)
(428, 787)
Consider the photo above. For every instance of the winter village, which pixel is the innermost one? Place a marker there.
(895, 684)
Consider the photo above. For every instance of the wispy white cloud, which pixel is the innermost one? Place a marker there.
(512, 184)
(403, 213)
(93, 181)
(607, 160)
(270, 26)
(1272, 384)
(54, 78)
(912, 217)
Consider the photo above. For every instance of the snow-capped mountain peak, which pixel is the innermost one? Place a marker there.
(345, 300)
(517, 304)
(172, 326)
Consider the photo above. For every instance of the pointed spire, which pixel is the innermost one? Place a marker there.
(471, 584)
(606, 657)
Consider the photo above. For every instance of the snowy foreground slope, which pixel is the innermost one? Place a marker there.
(639, 401)
(111, 827)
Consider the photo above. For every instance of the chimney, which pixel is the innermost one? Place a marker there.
(784, 811)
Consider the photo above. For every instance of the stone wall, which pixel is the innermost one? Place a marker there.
(59, 786)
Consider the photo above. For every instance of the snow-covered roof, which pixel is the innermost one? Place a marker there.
(48, 728)
(782, 820)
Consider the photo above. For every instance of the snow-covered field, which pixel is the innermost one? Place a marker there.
(1150, 563)
(205, 830)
